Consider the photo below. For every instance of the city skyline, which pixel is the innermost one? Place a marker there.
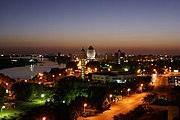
(135, 27)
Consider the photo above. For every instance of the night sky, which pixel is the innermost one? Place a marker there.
(47, 26)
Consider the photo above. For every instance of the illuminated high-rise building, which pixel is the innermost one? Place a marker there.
(83, 54)
(91, 53)
(119, 57)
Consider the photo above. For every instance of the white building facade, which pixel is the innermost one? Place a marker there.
(112, 77)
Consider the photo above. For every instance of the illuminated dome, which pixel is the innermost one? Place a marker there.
(91, 53)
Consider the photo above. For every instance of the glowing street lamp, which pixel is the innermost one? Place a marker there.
(85, 104)
(42, 96)
(44, 118)
(110, 96)
(53, 76)
(3, 107)
(7, 91)
(126, 69)
(141, 87)
(95, 69)
(128, 90)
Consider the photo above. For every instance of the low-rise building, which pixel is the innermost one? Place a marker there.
(112, 77)
(174, 81)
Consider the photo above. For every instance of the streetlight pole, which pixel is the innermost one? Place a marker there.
(42, 96)
(128, 90)
(85, 104)
(141, 87)
(110, 96)
(2, 109)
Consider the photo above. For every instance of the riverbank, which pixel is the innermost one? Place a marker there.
(29, 71)
(18, 62)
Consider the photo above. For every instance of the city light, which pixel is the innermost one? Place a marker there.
(126, 69)
(44, 118)
(47, 70)
(3, 107)
(110, 96)
(128, 90)
(42, 95)
(141, 87)
(139, 71)
(85, 104)
(40, 75)
(7, 91)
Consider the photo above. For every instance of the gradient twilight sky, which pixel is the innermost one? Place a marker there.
(133, 26)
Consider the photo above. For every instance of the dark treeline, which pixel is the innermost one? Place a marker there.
(70, 94)
(7, 62)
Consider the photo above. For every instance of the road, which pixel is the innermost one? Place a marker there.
(161, 85)
(129, 103)
(123, 106)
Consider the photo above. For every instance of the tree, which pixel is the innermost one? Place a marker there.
(93, 65)
(72, 94)
(150, 98)
(38, 113)
(77, 106)
(30, 91)
(72, 65)
(22, 91)
(98, 96)
(68, 89)
(2, 92)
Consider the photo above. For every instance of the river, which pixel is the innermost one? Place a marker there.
(28, 72)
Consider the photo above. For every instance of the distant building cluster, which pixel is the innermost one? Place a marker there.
(114, 67)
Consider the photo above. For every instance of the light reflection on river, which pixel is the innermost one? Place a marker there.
(28, 72)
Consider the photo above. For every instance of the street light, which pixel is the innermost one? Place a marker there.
(44, 118)
(110, 96)
(7, 91)
(141, 87)
(2, 108)
(85, 104)
(42, 96)
(128, 90)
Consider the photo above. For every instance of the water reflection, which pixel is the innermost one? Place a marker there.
(32, 67)
(28, 72)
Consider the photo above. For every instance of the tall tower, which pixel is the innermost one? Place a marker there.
(83, 54)
(91, 53)
(119, 57)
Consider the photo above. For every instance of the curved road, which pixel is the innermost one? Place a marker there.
(129, 103)
(123, 106)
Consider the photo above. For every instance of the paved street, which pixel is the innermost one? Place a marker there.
(123, 106)
(129, 103)
(161, 85)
